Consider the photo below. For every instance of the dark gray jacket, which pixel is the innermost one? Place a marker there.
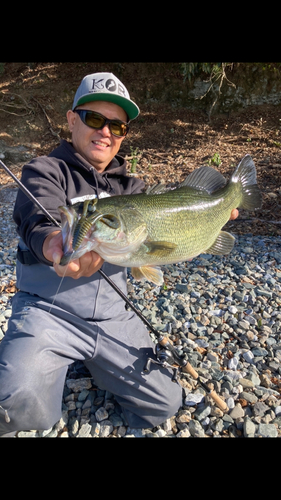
(56, 180)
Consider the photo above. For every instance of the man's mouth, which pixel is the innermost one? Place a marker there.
(100, 143)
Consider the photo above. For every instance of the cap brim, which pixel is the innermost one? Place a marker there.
(129, 107)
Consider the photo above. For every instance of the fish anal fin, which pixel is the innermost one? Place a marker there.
(150, 273)
(223, 244)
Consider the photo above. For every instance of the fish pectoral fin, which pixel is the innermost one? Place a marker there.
(159, 247)
(150, 273)
(223, 244)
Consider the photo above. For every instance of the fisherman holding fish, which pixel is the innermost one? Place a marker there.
(64, 313)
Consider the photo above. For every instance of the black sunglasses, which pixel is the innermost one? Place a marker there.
(97, 121)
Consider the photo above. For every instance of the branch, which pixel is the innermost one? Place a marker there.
(17, 106)
(55, 134)
(213, 78)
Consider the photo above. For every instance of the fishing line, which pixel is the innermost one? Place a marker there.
(60, 283)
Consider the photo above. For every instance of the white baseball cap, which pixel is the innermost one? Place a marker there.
(105, 87)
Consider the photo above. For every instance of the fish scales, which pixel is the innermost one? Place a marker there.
(190, 217)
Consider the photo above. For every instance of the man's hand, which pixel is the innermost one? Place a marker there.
(87, 265)
(234, 214)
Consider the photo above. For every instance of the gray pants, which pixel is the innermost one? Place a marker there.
(40, 345)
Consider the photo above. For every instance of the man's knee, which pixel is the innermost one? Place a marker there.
(154, 409)
(24, 405)
(25, 410)
(170, 400)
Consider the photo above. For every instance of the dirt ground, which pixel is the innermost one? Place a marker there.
(166, 142)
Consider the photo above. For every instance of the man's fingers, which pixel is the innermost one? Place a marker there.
(71, 269)
(52, 247)
(86, 266)
(234, 214)
(56, 257)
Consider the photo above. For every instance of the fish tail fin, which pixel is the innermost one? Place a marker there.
(246, 175)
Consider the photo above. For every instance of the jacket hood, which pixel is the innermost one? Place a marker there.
(66, 152)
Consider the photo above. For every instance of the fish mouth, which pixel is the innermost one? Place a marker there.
(76, 239)
(78, 231)
(68, 223)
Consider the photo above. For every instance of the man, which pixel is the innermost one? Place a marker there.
(54, 321)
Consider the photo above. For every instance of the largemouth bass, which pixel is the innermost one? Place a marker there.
(161, 226)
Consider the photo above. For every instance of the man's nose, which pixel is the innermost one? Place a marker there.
(105, 131)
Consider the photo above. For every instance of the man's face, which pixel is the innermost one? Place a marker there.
(98, 147)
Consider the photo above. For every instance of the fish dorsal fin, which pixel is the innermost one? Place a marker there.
(205, 179)
(157, 189)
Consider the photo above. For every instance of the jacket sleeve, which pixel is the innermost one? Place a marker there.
(137, 186)
(46, 182)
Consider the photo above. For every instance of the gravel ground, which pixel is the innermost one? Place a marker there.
(222, 313)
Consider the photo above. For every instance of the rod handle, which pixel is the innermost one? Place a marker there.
(188, 368)
(219, 402)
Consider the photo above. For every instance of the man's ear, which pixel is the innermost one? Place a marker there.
(71, 117)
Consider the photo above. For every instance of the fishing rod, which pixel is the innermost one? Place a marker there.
(166, 354)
